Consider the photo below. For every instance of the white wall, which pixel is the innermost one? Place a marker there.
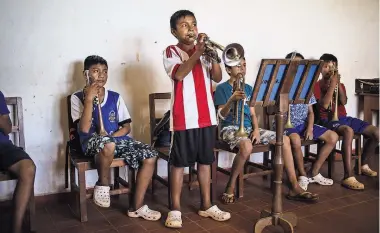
(44, 42)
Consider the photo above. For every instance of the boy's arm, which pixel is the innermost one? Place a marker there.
(124, 130)
(5, 120)
(81, 113)
(185, 68)
(124, 119)
(342, 94)
(310, 117)
(255, 124)
(216, 72)
(326, 100)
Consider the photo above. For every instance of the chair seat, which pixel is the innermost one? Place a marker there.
(4, 176)
(221, 145)
(308, 142)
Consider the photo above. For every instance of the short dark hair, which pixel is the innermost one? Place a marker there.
(327, 57)
(177, 15)
(93, 60)
(289, 55)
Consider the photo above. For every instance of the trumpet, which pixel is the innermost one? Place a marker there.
(96, 101)
(336, 92)
(232, 53)
(289, 124)
(102, 131)
(239, 85)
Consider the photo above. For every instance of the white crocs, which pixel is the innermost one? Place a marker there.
(319, 179)
(215, 213)
(145, 213)
(303, 182)
(102, 196)
(174, 219)
(368, 171)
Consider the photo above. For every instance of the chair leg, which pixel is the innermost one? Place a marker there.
(67, 166)
(331, 164)
(82, 194)
(132, 186)
(358, 151)
(266, 163)
(154, 177)
(169, 186)
(32, 212)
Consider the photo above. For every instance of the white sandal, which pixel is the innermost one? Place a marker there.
(303, 182)
(174, 219)
(321, 180)
(145, 213)
(102, 196)
(215, 213)
(368, 171)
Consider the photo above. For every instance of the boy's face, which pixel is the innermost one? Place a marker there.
(298, 58)
(186, 30)
(327, 68)
(97, 73)
(234, 71)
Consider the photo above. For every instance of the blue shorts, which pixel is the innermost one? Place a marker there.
(357, 125)
(300, 130)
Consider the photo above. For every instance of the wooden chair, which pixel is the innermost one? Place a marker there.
(164, 152)
(264, 169)
(19, 140)
(76, 160)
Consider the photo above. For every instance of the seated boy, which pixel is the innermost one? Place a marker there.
(302, 119)
(103, 147)
(346, 126)
(15, 160)
(193, 119)
(224, 99)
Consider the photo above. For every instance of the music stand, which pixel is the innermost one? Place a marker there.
(278, 83)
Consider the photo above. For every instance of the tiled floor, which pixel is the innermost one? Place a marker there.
(339, 210)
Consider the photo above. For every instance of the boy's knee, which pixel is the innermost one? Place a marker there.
(332, 137)
(108, 149)
(286, 140)
(295, 140)
(150, 161)
(347, 131)
(245, 149)
(27, 169)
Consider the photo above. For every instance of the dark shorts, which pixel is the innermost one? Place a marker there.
(11, 154)
(357, 125)
(193, 145)
(300, 130)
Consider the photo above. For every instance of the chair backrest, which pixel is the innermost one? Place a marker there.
(152, 110)
(15, 107)
(74, 141)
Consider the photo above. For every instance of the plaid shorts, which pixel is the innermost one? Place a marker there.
(132, 151)
(228, 135)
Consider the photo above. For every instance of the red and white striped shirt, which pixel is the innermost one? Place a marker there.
(192, 105)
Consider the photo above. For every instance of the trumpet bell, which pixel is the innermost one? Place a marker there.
(232, 54)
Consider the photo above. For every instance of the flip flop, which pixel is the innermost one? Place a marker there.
(304, 197)
(228, 198)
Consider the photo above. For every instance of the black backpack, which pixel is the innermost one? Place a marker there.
(161, 134)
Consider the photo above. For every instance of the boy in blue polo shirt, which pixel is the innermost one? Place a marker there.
(115, 142)
(15, 160)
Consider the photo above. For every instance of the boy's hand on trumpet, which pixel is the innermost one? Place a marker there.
(238, 95)
(91, 91)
